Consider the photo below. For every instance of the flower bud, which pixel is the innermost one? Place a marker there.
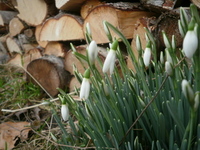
(190, 43)
(188, 92)
(161, 57)
(166, 40)
(196, 100)
(168, 68)
(65, 112)
(85, 85)
(147, 55)
(138, 43)
(92, 52)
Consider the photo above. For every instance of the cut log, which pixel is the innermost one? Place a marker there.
(122, 19)
(88, 6)
(13, 45)
(37, 35)
(74, 83)
(6, 16)
(71, 60)
(33, 12)
(62, 28)
(31, 55)
(69, 5)
(139, 30)
(50, 73)
(56, 48)
(15, 63)
(15, 26)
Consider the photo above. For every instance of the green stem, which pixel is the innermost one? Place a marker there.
(191, 125)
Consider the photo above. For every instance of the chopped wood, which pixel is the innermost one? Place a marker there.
(140, 31)
(88, 6)
(15, 63)
(74, 83)
(32, 12)
(50, 73)
(63, 27)
(15, 26)
(37, 36)
(31, 55)
(6, 16)
(13, 45)
(69, 5)
(124, 20)
(70, 59)
(56, 48)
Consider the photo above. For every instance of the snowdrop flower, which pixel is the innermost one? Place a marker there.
(168, 68)
(190, 42)
(147, 55)
(65, 112)
(188, 91)
(85, 85)
(107, 31)
(109, 63)
(92, 52)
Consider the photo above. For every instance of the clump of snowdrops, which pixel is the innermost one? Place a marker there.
(154, 107)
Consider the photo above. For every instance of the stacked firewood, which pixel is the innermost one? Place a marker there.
(36, 34)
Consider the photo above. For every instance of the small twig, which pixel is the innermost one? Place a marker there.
(33, 106)
(140, 115)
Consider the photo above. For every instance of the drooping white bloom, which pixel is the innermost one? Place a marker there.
(188, 92)
(168, 68)
(65, 112)
(92, 52)
(190, 43)
(147, 56)
(109, 63)
(85, 88)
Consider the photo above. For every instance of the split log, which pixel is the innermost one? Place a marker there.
(15, 26)
(70, 59)
(88, 6)
(31, 55)
(33, 12)
(69, 5)
(139, 30)
(122, 18)
(62, 27)
(74, 83)
(50, 73)
(20, 62)
(7, 16)
(37, 36)
(13, 45)
(56, 48)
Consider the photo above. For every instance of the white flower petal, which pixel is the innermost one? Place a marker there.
(168, 68)
(147, 56)
(109, 62)
(65, 112)
(92, 52)
(190, 44)
(85, 89)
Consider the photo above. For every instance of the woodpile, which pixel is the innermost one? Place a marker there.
(36, 34)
